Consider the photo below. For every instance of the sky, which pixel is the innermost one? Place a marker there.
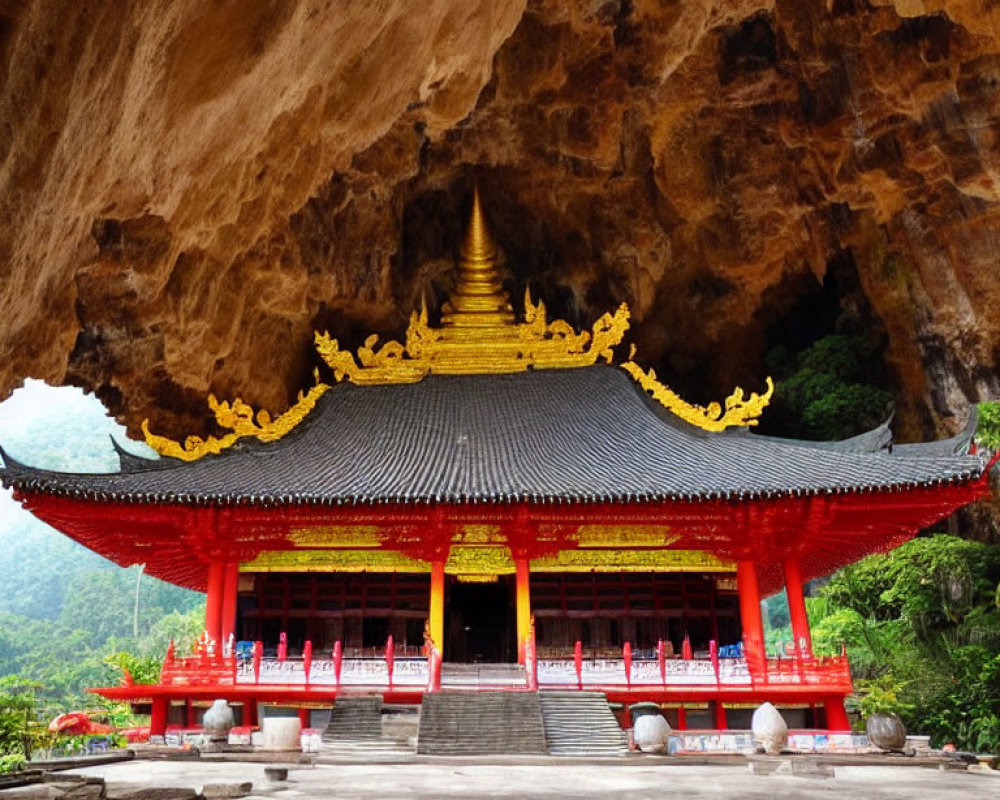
(57, 427)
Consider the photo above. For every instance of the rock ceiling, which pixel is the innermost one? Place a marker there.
(188, 189)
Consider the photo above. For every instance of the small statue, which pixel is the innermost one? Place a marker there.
(428, 641)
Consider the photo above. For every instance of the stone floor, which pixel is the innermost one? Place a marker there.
(528, 778)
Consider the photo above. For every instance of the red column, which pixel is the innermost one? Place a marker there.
(158, 718)
(720, 716)
(682, 719)
(797, 608)
(523, 605)
(250, 711)
(213, 600)
(836, 716)
(750, 618)
(436, 624)
(229, 592)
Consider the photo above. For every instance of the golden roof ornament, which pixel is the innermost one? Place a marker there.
(479, 335)
(478, 300)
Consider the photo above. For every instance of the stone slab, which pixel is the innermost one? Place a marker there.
(211, 791)
(119, 791)
(547, 778)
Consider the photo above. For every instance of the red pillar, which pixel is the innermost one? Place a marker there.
(305, 717)
(836, 716)
(436, 624)
(682, 719)
(229, 592)
(523, 605)
(213, 600)
(750, 618)
(720, 716)
(158, 717)
(250, 712)
(797, 608)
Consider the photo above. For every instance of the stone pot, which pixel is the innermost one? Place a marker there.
(218, 720)
(770, 730)
(886, 731)
(637, 710)
(650, 733)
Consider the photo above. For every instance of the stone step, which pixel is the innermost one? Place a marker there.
(505, 675)
(481, 723)
(364, 750)
(581, 724)
(355, 719)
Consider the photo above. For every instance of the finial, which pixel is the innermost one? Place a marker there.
(478, 299)
(478, 246)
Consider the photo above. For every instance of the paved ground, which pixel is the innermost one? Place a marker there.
(511, 777)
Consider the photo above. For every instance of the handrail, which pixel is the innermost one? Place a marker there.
(631, 669)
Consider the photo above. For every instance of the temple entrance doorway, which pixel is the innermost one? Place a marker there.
(479, 622)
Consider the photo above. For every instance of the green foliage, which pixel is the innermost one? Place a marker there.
(141, 669)
(777, 611)
(883, 696)
(63, 609)
(827, 391)
(922, 631)
(988, 429)
(932, 583)
(923, 634)
(17, 711)
(12, 762)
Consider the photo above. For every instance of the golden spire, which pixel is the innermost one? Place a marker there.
(478, 299)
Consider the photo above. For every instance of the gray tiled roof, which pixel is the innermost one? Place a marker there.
(586, 434)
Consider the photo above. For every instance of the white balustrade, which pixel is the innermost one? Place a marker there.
(611, 671)
(322, 672)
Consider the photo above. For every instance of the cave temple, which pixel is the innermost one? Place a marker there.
(499, 493)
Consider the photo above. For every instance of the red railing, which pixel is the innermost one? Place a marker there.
(207, 667)
(631, 670)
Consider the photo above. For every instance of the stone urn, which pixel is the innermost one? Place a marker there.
(886, 731)
(650, 733)
(770, 730)
(218, 720)
(638, 710)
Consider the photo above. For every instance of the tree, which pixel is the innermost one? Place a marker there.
(17, 711)
(826, 391)
(922, 621)
(988, 430)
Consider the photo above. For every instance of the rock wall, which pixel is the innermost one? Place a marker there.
(189, 188)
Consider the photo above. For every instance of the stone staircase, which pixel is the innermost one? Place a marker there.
(502, 676)
(360, 728)
(456, 723)
(355, 719)
(581, 724)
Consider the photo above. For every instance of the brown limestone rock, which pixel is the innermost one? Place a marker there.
(189, 189)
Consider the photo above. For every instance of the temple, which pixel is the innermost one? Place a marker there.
(500, 493)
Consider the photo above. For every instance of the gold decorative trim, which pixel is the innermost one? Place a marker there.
(632, 561)
(475, 560)
(337, 536)
(534, 344)
(240, 418)
(334, 561)
(479, 534)
(740, 410)
(624, 536)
